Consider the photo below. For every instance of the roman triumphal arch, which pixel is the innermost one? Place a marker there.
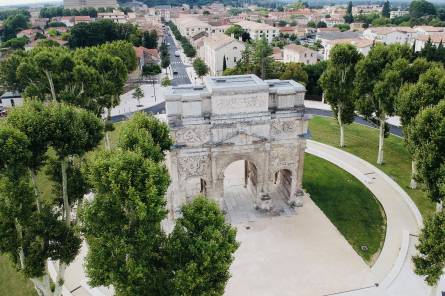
(234, 118)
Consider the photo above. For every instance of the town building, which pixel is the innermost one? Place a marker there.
(363, 45)
(189, 26)
(299, 54)
(398, 13)
(77, 4)
(82, 19)
(259, 30)
(220, 47)
(325, 37)
(426, 30)
(435, 38)
(116, 16)
(391, 35)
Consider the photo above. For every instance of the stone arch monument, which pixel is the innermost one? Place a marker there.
(233, 118)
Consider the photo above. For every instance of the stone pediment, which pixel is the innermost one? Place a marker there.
(242, 138)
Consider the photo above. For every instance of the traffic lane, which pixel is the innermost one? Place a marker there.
(176, 63)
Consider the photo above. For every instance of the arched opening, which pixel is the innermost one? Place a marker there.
(283, 183)
(241, 173)
(240, 188)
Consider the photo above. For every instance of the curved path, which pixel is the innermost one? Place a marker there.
(393, 267)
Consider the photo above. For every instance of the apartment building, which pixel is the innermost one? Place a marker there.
(189, 26)
(391, 35)
(299, 54)
(259, 30)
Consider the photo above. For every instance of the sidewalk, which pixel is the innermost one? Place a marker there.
(128, 104)
(393, 268)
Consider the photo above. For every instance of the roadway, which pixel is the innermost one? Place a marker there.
(176, 64)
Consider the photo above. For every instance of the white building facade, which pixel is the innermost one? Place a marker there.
(299, 54)
(218, 47)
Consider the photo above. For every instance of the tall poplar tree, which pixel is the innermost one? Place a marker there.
(374, 74)
(337, 83)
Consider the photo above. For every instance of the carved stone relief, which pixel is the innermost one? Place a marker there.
(279, 127)
(193, 166)
(192, 136)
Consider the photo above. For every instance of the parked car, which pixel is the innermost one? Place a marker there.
(3, 112)
(177, 54)
(175, 72)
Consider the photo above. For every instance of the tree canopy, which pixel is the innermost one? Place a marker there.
(419, 8)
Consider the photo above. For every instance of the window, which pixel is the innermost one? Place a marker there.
(234, 59)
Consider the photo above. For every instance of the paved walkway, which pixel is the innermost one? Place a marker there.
(128, 104)
(393, 268)
(290, 251)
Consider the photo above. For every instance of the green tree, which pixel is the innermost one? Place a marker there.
(101, 32)
(261, 55)
(150, 39)
(165, 61)
(236, 30)
(431, 259)
(74, 132)
(166, 82)
(31, 119)
(373, 74)
(123, 50)
(419, 8)
(337, 83)
(138, 94)
(426, 137)
(294, 71)
(30, 232)
(13, 24)
(425, 88)
(200, 250)
(321, 24)
(200, 67)
(152, 70)
(127, 210)
(349, 18)
(145, 135)
(311, 24)
(314, 72)
(224, 63)
(386, 9)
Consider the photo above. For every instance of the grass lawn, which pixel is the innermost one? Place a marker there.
(348, 204)
(13, 283)
(363, 141)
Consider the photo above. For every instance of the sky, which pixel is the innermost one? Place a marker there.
(19, 2)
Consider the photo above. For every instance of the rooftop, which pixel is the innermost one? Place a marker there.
(255, 26)
(338, 35)
(219, 40)
(298, 48)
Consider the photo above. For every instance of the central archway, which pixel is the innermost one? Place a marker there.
(241, 173)
(240, 190)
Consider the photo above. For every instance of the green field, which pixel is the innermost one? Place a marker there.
(348, 204)
(362, 141)
(13, 283)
